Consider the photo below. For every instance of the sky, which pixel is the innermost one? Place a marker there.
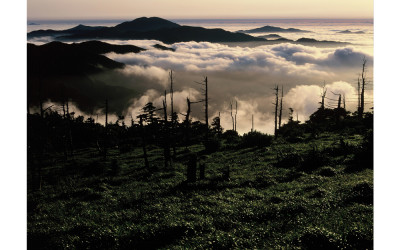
(116, 9)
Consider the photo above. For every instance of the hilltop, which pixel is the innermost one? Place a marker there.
(57, 70)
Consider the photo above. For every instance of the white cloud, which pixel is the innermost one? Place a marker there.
(239, 73)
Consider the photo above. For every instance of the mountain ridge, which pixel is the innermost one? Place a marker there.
(147, 28)
(269, 28)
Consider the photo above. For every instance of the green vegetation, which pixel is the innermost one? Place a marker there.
(311, 193)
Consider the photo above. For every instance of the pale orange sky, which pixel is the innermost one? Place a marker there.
(130, 9)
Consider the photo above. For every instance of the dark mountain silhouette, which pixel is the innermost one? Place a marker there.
(144, 24)
(57, 71)
(273, 29)
(148, 28)
(351, 32)
(162, 47)
(75, 30)
(302, 41)
(274, 36)
(311, 40)
(77, 58)
(82, 27)
(282, 39)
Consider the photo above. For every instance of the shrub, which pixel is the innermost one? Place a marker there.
(256, 139)
(290, 159)
(94, 168)
(292, 131)
(357, 239)
(115, 167)
(364, 155)
(231, 137)
(319, 238)
(212, 145)
(313, 159)
(362, 193)
(125, 148)
(327, 172)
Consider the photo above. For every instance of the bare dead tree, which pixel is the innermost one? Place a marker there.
(280, 109)
(67, 109)
(146, 161)
(206, 106)
(236, 116)
(171, 93)
(363, 83)
(252, 123)
(359, 94)
(187, 121)
(233, 120)
(69, 136)
(174, 116)
(187, 117)
(204, 83)
(105, 132)
(344, 101)
(63, 108)
(167, 154)
(323, 95)
(339, 98)
(276, 110)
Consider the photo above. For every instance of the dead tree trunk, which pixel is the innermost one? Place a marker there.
(171, 93)
(187, 121)
(358, 95)
(363, 79)
(146, 161)
(344, 101)
(323, 94)
(276, 111)
(252, 123)
(206, 107)
(71, 148)
(63, 107)
(167, 154)
(106, 132)
(173, 115)
(235, 116)
(66, 133)
(280, 110)
(205, 92)
(233, 120)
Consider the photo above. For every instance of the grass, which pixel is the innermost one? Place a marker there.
(122, 205)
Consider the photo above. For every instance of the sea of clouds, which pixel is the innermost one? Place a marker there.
(243, 74)
(239, 73)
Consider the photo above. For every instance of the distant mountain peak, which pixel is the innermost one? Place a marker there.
(82, 27)
(146, 24)
(269, 28)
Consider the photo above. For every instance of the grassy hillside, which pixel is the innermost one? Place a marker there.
(315, 194)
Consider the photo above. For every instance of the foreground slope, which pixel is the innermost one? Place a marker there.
(264, 201)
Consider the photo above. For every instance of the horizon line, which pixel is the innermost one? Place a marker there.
(195, 18)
